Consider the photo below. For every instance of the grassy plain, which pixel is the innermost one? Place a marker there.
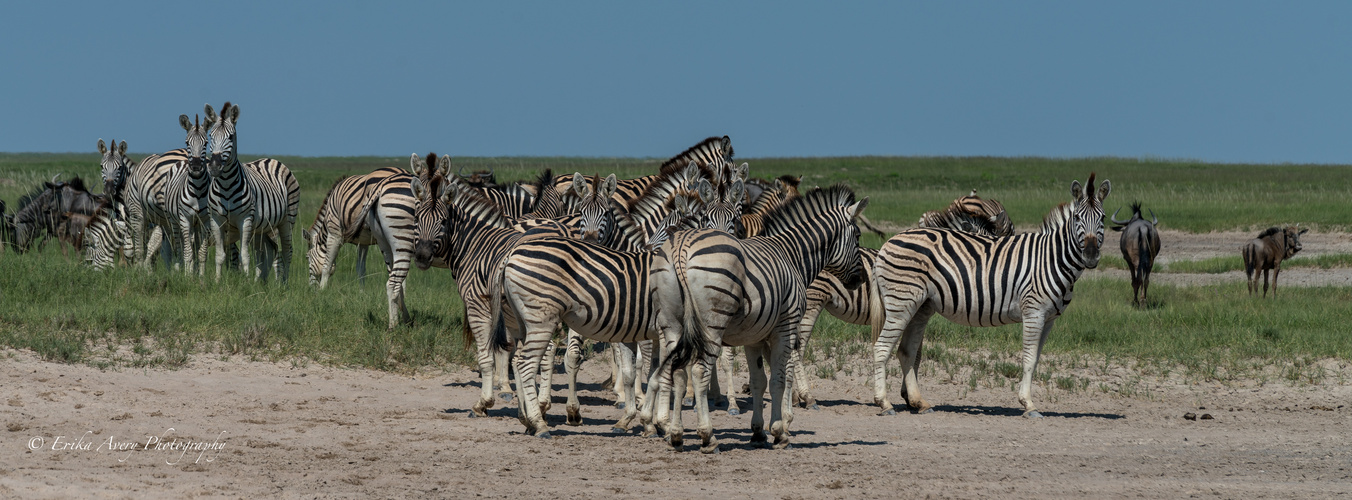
(126, 317)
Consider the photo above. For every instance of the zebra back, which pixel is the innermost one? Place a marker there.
(971, 214)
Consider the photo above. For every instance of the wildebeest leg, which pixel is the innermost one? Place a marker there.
(1265, 282)
(1276, 271)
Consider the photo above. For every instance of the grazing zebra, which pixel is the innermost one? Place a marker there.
(104, 236)
(249, 201)
(751, 293)
(371, 209)
(852, 306)
(975, 280)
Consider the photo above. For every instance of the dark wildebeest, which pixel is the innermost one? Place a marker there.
(1266, 252)
(481, 179)
(40, 211)
(1140, 244)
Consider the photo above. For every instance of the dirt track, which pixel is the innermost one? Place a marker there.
(277, 430)
(316, 431)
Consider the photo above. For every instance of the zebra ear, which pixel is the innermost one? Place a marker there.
(858, 207)
(231, 114)
(1076, 191)
(103, 149)
(736, 191)
(122, 148)
(742, 171)
(210, 112)
(444, 166)
(1104, 190)
(416, 185)
(184, 122)
(727, 147)
(682, 204)
(706, 191)
(417, 165)
(691, 173)
(579, 185)
(608, 187)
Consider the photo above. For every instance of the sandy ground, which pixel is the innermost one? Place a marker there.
(239, 429)
(277, 430)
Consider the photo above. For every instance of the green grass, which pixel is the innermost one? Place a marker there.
(1217, 265)
(126, 317)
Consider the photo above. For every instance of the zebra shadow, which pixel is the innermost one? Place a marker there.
(826, 403)
(1004, 411)
(508, 410)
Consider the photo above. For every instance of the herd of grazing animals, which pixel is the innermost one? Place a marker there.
(672, 269)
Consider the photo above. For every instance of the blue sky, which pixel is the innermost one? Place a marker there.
(1216, 81)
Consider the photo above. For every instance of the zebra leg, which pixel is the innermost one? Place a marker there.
(725, 387)
(1036, 324)
(781, 383)
(332, 244)
(361, 264)
(755, 368)
(644, 362)
(572, 361)
(490, 360)
(624, 355)
(285, 250)
(246, 241)
(802, 389)
(203, 241)
(701, 374)
(912, 341)
(547, 375)
(675, 428)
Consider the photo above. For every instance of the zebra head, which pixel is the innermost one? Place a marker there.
(197, 140)
(597, 220)
(843, 260)
(1087, 219)
(114, 167)
(222, 135)
(432, 213)
(683, 215)
(721, 206)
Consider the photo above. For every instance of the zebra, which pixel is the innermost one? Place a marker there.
(256, 200)
(187, 192)
(852, 306)
(104, 237)
(971, 214)
(975, 280)
(113, 167)
(751, 292)
(375, 208)
(709, 155)
(464, 231)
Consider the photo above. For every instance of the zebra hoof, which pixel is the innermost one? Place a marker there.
(814, 407)
(758, 436)
(619, 430)
(543, 435)
(506, 397)
(711, 449)
(887, 413)
(574, 416)
(688, 402)
(619, 405)
(1032, 414)
(780, 444)
(925, 411)
(677, 442)
(732, 410)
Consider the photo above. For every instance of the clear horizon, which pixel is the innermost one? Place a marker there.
(1235, 82)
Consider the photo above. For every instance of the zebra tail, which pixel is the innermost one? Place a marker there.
(496, 319)
(351, 232)
(693, 341)
(876, 314)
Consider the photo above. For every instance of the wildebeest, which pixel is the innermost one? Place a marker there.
(1266, 252)
(40, 210)
(1140, 244)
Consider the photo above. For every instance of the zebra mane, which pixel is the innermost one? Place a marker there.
(327, 195)
(656, 195)
(794, 212)
(713, 147)
(1057, 218)
(474, 205)
(971, 214)
(547, 202)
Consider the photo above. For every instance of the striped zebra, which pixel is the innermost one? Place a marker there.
(104, 237)
(187, 192)
(979, 281)
(709, 155)
(464, 231)
(852, 306)
(113, 167)
(971, 214)
(253, 201)
(146, 197)
(751, 293)
(370, 209)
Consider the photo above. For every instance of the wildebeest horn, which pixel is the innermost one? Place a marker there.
(54, 178)
(460, 171)
(1152, 216)
(1115, 221)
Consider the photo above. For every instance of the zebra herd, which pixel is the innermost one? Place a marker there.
(673, 269)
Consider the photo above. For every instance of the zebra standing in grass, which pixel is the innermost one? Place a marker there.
(147, 199)
(827, 293)
(249, 201)
(980, 281)
(375, 208)
(187, 192)
(710, 155)
(752, 292)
